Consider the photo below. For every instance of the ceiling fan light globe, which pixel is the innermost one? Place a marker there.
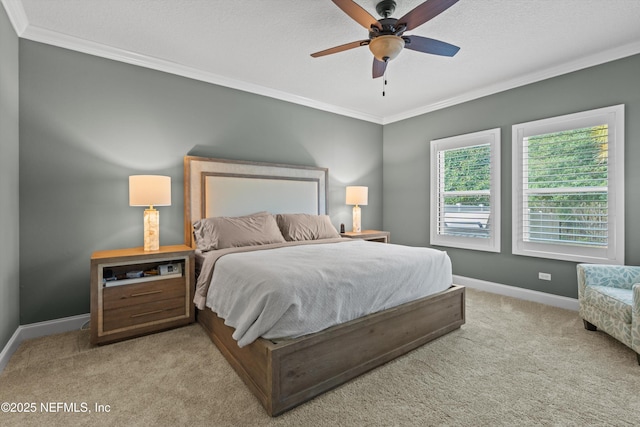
(386, 48)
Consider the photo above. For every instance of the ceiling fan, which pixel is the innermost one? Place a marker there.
(386, 39)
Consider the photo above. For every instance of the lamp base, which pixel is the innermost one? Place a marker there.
(151, 230)
(356, 219)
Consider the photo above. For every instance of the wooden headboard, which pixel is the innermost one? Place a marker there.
(220, 187)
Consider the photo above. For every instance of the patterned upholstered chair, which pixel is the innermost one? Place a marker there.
(609, 297)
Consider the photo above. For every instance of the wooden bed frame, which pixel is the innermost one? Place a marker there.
(286, 373)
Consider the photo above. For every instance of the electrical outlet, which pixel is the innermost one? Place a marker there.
(544, 276)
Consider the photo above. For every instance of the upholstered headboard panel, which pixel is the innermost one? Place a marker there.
(219, 187)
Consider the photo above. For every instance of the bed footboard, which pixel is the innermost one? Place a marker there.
(285, 374)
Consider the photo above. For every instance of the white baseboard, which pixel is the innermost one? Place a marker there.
(520, 293)
(40, 329)
(10, 348)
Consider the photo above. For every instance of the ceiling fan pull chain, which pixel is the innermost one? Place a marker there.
(384, 82)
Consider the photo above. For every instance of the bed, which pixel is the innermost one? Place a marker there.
(283, 373)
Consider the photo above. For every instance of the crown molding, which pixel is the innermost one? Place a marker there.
(569, 67)
(17, 15)
(54, 38)
(23, 29)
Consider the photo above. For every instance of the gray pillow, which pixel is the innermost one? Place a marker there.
(228, 232)
(295, 227)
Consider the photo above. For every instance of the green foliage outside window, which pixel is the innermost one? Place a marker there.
(467, 169)
(559, 166)
(574, 158)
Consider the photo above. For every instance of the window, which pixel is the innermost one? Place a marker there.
(568, 187)
(465, 191)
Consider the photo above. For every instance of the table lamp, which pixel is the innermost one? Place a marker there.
(150, 190)
(357, 196)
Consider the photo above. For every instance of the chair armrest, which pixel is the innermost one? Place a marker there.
(635, 320)
(616, 276)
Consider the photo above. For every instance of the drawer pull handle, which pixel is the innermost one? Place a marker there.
(146, 314)
(140, 294)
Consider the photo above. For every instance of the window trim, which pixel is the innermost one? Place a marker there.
(491, 244)
(613, 116)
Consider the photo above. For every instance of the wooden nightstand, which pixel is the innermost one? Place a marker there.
(134, 292)
(373, 235)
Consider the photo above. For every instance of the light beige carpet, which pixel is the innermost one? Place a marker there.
(512, 363)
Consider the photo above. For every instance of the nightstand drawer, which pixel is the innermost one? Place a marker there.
(144, 313)
(124, 296)
(129, 296)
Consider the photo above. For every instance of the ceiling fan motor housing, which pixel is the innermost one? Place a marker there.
(388, 26)
(386, 43)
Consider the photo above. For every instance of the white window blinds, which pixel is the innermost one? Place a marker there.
(567, 179)
(464, 185)
(465, 193)
(565, 187)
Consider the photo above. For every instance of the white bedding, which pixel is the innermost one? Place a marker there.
(291, 291)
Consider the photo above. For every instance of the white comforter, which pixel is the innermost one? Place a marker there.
(293, 291)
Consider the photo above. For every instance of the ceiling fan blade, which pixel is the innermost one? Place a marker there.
(432, 46)
(357, 13)
(424, 12)
(340, 48)
(378, 68)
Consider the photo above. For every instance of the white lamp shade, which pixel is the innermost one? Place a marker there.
(357, 195)
(149, 190)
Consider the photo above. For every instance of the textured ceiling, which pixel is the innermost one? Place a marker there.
(264, 46)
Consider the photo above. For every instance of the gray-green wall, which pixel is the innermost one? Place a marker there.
(9, 215)
(406, 167)
(87, 123)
